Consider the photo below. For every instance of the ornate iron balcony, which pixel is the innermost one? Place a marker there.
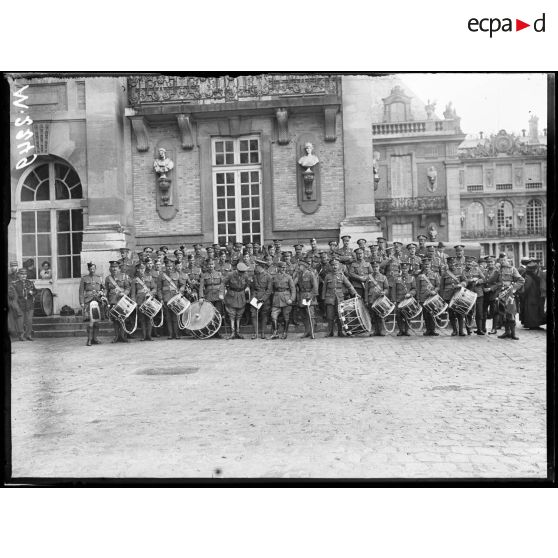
(468, 234)
(178, 89)
(411, 204)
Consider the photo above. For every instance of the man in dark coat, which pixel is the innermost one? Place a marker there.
(533, 296)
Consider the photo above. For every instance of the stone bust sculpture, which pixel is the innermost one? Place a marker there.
(432, 176)
(163, 164)
(309, 160)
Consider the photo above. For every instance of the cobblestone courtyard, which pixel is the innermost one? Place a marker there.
(363, 407)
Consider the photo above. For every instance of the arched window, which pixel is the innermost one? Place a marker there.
(51, 218)
(505, 218)
(535, 222)
(475, 216)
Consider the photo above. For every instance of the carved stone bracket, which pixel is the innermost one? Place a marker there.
(140, 130)
(186, 133)
(330, 115)
(282, 116)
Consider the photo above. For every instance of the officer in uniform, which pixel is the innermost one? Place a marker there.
(333, 293)
(373, 253)
(376, 286)
(345, 254)
(413, 259)
(306, 283)
(143, 286)
(212, 288)
(298, 254)
(313, 253)
(291, 266)
(510, 281)
(428, 284)
(332, 254)
(491, 289)
(260, 289)
(127, 265)
(12, 275)
(90, 289)
(284, 293)
(25, 292)
(403, 287)
(421, 249)
(450, 282)
(199, 256)
(222, 264)
(441, 254)
(236, 285)
(358, 272)
(459, 258)
(169, 285)
(382, 243)
(361, 243)
(277, 246)
(436, 262)
(392, 259)
(116, 286)
(475, 282)
(272, 251)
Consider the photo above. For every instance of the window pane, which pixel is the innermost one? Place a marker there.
(245, 203)
(219, 147)
(43, 244)
(229, 146)
(42, 171)
(246, 238)
(221, 216)
(229, 158)
(243, 145)
(254, 158)
(231, 203)
(220, 203)
(27, 194)
(220, 191)
(232, 228)
(63, 218)
(77, 220)
(61, 191)
(230, 191)
(244, 190)
(245, 214)
(40, 264)
(28, 222)
(255, 189)
(64, 244)
(76, 272)
(256, 214)
(43, 221)
(244, 177)
(254, 145)
(64, 267)
(221, 228)
(60, 171)
(76, 242)
(32, 181)
(256, 227)
(76, 192)
(220, 178)
(254, 176)
(243, 158)
(28, 245)
(42, 192)
(230, 215)
(255, 201)
(246, 227)
(230, 178)
(72, 179)
(219, 159)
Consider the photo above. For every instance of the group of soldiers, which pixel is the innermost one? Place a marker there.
(285, 286)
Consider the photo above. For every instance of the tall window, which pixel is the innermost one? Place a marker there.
(402, 232)
(237, 189)
(533, 176)
(475, 217)
(473, 177)
(504, 177)
(51, 218)
(505, 217)
(401, 176)
(536, 251)
(535, 222)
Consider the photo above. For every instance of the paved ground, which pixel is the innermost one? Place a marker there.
(362, 407)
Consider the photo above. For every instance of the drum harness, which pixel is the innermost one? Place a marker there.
(123, 322)
(146, 290)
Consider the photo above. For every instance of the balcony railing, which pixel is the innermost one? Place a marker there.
(469, 234)
(411, 204)
(533, 185)
(504, 186)
(475, 188)
(179, 89)
(416, 127)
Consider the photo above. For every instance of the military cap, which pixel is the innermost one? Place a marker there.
(241, 266)
(362, 240)
(124, 249)
(525, 261)
(421, 236)
(389, 248)
(502, 255)
(431, 247)
(532, 263)
(346, 236)
(458, 246)
(90, 265)
(148, 259)
(238, 244)
(404, 264)
(22, 270)
(301, 246)
(313, 240)
(139, 264)
(168, 261)
(281, 264)
(441, 245)
(450, 259)
(223, 250)
(332, 242)
(411, 244)
(197, 245)
(359, 249)
(277, 240)
(335, 260)
(114, 263)
(148, 248)
(470, 259)
(305, 261)
(397, 243)
(285, 252)
(375, 262)
(322, 252)
(489, 257)
(249, 245)
(380, 238)
(163, 248)
(176, 252)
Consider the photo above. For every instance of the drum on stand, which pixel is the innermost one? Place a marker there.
(354, 316)
(205, 320)
(43, 304)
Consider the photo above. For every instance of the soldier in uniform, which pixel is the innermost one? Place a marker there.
(382, 244)
(373, 253)
(491, 289)
(116, 286)
(345, 254)
(306, 284)
(277, 246)
(358, 272)
(143, 286)
(169, 285)
(90, 289)
(127, 265)
(441, 254)
(361, 243)
(291, 266)
(403, 287)
(199, 256)
(450, 282)
(222, 264)
(332, 253)
(475, 282)
(12, 275)
(298, 254)
(412, 259)
(392, 260)
(313, 253)
(284, 293)
(436, 262)
(25, 292)
(376, 286)
(459, 258)
(421, 249)
(260, 289)
(510, 281)
(236, 285)
(212, 288)
(258, 252)
(333, 294)
(428, 284)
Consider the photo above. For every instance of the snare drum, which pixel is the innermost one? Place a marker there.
(151, 307)
(123, 308)
(178, 304)
(354, 316)
(435, 305)
(410, 308)
(205, 320)
(383, 306)
(463, 301)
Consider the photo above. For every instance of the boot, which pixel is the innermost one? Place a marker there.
(286, 330)
(88, 344)
(274, 335)
(232, 335)
(512, 332)
(254, 327)
(116, 335)
(506, 333)
(460, 326)
(238, 336)
(306, 328)
(330, 328)
(453, 323)
(94, 340)
(406, 329)
(483, 326)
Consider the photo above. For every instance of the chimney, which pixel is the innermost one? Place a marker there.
(534, 128)
(523, 131)
(480, 134)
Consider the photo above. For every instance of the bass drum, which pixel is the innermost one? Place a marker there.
(205, 320)
(43, 303)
